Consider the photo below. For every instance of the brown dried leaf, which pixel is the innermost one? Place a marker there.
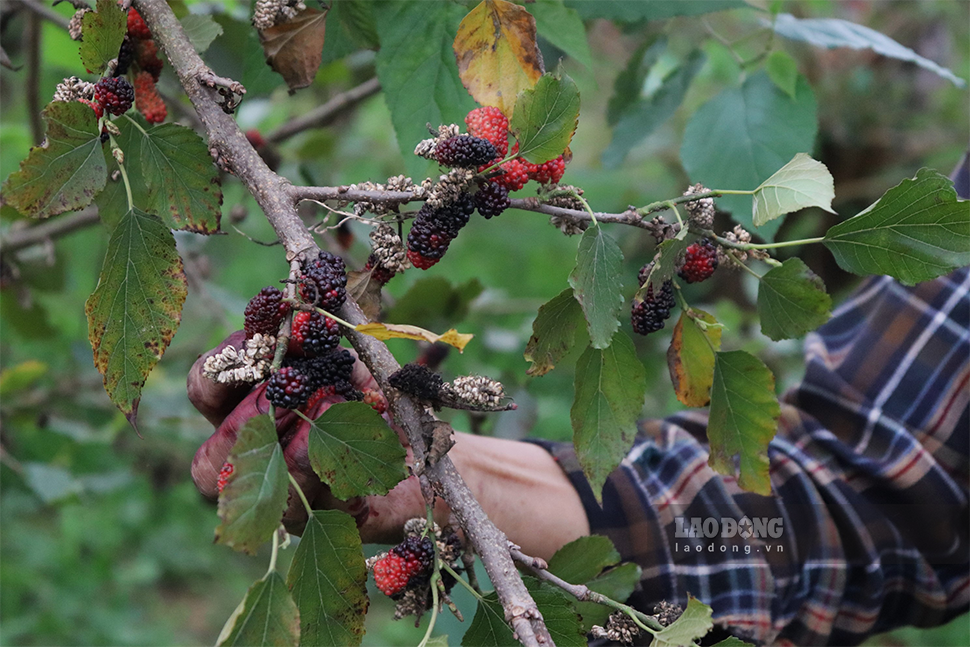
(366, 292)
(497, 53)
(294, 48)
(398, 331)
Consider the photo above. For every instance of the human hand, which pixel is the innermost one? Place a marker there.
(229, 406)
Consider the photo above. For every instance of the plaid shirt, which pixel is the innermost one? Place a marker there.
(867, 526)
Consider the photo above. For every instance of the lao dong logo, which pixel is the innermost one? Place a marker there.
(726, 527)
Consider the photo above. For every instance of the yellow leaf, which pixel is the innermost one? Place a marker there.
(397, 331)
(497, 53)
(690, 357)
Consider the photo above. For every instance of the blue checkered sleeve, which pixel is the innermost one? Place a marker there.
(867, 525)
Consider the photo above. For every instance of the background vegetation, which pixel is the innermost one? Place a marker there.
(104, 538)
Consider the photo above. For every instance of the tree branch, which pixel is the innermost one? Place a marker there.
(47, 230)
(231, 150)
(327, 113)
(45, 12)
(32, 81)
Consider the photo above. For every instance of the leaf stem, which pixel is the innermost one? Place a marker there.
(275, 553)
(508, 158)
(661, 205)
(302, 415)
(336, 318)
(137, 125)
(574, 193)
(680, 297)
(462, 581)
(680, 221)
(124, 175)
(788, 243)
(299, 490)
(749, 270)
(434, 611)
(435, 577)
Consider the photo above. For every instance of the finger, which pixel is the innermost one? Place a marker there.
(213, 453)
(298, 464)
(381, 519)
(294, 434)
(361, 377)
(214, 400)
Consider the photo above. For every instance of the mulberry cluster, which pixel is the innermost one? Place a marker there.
(300, 378)
(289, 387)
(406, 565)
(417, 380)
(548, 172)
(324, 281)
(699, 262)
(147, 99)
(314, 366)
(434, 229)
(489, 123)
(492, 200)
(126, 56)
(139, 57)
(391, 574)
(313, 334)
(378, 272)
(148, 59)
(115, 94)
(465, 151)
(265, 312)
(513, 175)
(649, 315)
(137, 27)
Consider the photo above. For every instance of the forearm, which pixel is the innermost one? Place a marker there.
(520, 486)
(523, 490)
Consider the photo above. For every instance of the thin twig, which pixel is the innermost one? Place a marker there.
(346, 194)
(579, 591)
(327, 113)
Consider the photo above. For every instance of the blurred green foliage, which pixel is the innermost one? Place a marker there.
(104, 538)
